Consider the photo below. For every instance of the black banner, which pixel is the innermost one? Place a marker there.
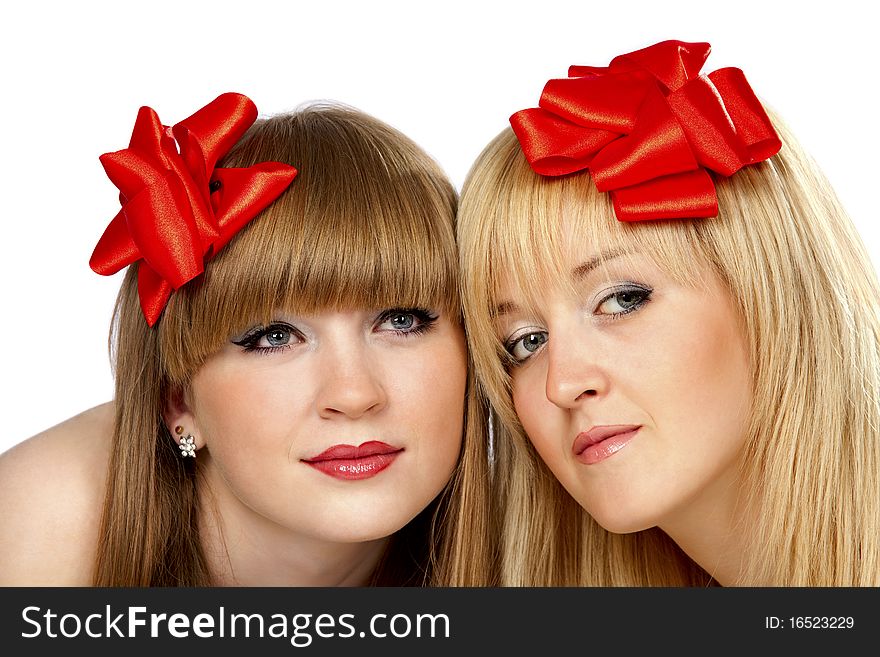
(392, 621)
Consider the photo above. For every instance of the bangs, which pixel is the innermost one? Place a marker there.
(366, 224)
(540, 224)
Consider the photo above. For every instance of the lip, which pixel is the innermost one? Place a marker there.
(352, 462)
(602, 442)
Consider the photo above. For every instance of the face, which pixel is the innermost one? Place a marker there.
(634, 389)
(340, 426)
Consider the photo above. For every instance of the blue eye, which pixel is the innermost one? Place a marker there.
(277, 337)
(623, 300)
(523, 347)
(402, 321)
(405, 321)
(272, 338)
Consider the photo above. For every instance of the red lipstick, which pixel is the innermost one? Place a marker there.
(350, 462)
(601, 442)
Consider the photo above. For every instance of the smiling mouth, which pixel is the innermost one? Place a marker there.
(355, 462)
(601, 442)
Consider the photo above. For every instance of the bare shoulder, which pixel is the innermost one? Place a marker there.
(51, 497)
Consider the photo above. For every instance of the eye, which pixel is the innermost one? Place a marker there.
(274, 337)
(401, 321)
(623, 300)
(521, 348)
(405, 321)
(277, 337)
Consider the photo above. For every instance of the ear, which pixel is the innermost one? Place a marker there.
(179, 418)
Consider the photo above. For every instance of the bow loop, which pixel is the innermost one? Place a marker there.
(672, 63)
(210, 132)
(170, 220)
(604, 102)
(701, 113)
(554, 146)
(161, 224)
(242, 193)
(753, 126)
(657, 146)
(149, 136)
(649, 127)
(115, 249)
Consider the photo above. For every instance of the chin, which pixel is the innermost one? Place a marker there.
(619, 526)
(618, 520)
(362, 529)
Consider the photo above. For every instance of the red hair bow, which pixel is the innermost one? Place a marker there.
(178, 209)
(648, 127)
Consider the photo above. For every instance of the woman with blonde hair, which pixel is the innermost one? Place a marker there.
(290, 367)
(677, 327)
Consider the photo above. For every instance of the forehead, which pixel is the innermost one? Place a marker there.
(515, 291)
(551, 246)
(574, 250)
(541, 229)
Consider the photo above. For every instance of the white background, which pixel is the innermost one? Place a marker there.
(448, 74)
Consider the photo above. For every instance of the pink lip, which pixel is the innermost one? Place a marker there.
(350, 462)
(601, 442)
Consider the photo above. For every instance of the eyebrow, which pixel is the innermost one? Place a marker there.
(577, 274)
(505, 308)
(582, 270)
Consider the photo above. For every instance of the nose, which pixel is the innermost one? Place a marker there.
(574, 371)
(350, 385)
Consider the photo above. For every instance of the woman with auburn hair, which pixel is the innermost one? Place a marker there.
(290, 367)
(683, 365)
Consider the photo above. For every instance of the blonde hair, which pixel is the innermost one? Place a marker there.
(367, 223)
(808, 300)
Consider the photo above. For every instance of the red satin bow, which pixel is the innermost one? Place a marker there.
(648, 127)
(178, 209)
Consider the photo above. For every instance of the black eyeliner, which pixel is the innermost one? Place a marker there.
(249, 341)
(643, 292)
(426, 319)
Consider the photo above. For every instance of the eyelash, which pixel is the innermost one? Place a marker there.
(642, 293)
(426, 320)
(250, 343)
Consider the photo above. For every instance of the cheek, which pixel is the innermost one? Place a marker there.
(434, 395)
(242, 409)
(536, 413)
(701, 380)
(725, 399)
(722, 380)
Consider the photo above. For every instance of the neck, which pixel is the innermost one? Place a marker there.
(709, 530)
(245, 549)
